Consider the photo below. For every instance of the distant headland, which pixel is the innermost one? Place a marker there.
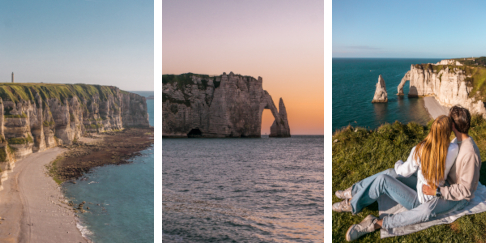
(39, 122)
(458, 81)
(35, 116)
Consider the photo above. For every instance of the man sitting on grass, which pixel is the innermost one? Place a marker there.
(462, 181)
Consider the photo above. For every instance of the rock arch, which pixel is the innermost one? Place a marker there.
(229, 105)
(280, 126)
(402, 83)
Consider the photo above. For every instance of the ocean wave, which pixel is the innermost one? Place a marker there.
(85, 232)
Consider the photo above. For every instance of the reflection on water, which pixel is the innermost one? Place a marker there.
(380, 110)
(243, 190)
(413, 107)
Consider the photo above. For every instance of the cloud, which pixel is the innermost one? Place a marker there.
(361, 47)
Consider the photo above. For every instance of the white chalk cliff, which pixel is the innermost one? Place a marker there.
(448, 84)
(221, 106)
(380, 93)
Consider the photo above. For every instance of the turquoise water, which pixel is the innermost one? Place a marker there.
(353, 87)
(120, 198)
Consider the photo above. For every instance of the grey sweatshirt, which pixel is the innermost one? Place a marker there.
(463, 177)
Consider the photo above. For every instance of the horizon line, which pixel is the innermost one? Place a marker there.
(403, 57)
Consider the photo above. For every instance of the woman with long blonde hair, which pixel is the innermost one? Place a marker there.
(428, 164)
(433, 158)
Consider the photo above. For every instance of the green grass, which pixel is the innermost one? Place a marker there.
(16, 116)
(359, 153)
(182, 80)
(479, 60)
(477, 79)
(478, 83)
(48, 123)
(3, 155)
(52, 168)
(27, 91)
(21, 140)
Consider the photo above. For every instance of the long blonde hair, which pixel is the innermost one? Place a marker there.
(432, 151)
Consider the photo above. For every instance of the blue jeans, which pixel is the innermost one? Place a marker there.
(422, 213)
(400, 189)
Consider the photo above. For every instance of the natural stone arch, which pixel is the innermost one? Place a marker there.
(280, 126)
(402, 83)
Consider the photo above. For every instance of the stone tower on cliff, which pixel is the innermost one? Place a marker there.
(12, 77)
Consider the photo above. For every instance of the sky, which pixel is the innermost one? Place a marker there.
(103, 42)
(408, 29)
(281, 41)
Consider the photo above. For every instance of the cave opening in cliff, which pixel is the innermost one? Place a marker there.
(194, 133)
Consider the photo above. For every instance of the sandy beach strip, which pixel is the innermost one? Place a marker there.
(434, 108)
(32, 207)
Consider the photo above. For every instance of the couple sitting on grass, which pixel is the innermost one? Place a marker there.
(438, 177)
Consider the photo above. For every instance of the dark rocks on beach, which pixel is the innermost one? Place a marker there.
(116, 148)
(80, 206)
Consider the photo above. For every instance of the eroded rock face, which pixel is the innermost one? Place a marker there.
(380, 93)
(28, 126)
(449, 86)
(402, 83)
(280, 128)
(222, 106)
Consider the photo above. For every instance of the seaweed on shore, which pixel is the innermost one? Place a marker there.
(111, 148)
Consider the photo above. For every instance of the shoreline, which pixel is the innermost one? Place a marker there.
(100, 149)
(32, 205)
(434, 108)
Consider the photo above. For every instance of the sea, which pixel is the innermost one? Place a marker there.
(243, 189)
(353, 87)
(120, 197)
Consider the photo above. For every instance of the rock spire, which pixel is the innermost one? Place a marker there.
(380, 92)
(280, 128)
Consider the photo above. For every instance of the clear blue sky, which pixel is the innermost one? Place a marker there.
(429, 29)
(104, 42)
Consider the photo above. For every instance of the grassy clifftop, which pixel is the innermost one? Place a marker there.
(475, 76)
(186, 79)
(358, 153)
(27, 91)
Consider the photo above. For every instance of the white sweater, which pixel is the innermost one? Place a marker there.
(409, 167)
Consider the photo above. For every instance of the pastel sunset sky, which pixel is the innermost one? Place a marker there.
(281, 41)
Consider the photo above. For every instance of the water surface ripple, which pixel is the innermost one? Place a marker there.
(243, 190)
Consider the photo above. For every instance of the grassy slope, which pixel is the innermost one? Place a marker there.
(360, 153)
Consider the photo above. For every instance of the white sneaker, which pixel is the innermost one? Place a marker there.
(343, 206)
(357, 230)
(346, 194)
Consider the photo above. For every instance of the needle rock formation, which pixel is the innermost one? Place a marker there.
(231, 105)
(381, 96)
